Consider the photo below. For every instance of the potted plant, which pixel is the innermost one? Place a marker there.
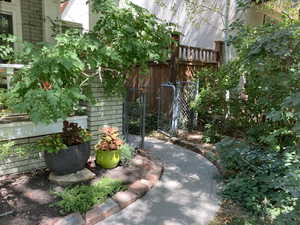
(66, 152)
(108, 151)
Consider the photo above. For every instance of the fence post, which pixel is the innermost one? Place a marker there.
(174, 56)
(219, 47)
(175, 109)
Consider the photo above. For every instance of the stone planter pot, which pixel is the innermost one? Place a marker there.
(68, 160)
(108, 159)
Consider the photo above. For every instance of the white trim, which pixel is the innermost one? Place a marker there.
(17, 130)
(14, 8)
(50, 12)
(14, 66)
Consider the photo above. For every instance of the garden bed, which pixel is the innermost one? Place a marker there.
(26, 199)
(24, 129)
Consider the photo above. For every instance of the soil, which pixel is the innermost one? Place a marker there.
(25, 199)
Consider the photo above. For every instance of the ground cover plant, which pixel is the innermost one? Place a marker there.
(260, 158)
(81, 198)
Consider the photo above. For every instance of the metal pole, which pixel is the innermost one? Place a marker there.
(125, 117)
(226, 30)
(159, 108)
(143, 120)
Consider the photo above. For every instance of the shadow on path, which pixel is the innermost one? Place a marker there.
(186, 194)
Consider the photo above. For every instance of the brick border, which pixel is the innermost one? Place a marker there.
(153, 171)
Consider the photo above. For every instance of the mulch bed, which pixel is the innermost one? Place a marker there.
(25, 199)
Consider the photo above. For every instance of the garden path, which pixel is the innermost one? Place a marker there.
(185, 195)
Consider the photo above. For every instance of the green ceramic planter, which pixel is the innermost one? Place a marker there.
(108, 159)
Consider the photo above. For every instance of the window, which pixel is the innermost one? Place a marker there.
(10, 19)
(6, 27)
(6, 24)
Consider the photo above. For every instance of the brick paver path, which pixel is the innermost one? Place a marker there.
(186, 194)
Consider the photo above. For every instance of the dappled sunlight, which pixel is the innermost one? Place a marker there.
(185, 195)
(172, 184)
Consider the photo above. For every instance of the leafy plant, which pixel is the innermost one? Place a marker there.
(56, 80)
(3, 99)
(6, 47)
(72, 135)
(110, 140)
(127, 153)
(10, 148)
(83, 197)
(261, 159)
(257, 178)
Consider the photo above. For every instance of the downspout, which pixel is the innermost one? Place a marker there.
(226, 30)
(226, 49)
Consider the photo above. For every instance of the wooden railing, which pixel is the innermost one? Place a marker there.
(6, 73)
(188, 53)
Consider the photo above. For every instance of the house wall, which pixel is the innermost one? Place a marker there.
(16, 165)
(32, 20)
(107, 111)
(14, 8)
(254, 17)
(51, 13)
(200, 29)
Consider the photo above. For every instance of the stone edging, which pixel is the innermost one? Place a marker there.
(121, 199)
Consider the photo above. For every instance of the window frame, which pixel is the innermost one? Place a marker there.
(13, 8)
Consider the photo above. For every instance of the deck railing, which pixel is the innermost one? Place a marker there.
(6, 73)
(188, 53)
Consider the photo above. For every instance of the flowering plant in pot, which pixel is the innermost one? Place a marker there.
(108, 151)
(66, 152)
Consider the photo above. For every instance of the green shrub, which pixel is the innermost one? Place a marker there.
(262, 161)
(265, 182)
(83, 197)
(127, 153)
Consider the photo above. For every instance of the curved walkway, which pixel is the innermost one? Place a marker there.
(185, 195)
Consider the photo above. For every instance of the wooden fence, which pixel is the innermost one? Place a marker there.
(185, 62)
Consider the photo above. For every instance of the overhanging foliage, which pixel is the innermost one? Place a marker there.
(56, 80)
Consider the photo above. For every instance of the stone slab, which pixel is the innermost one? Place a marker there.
(138, 188)
(125, 198)
(73, 178)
